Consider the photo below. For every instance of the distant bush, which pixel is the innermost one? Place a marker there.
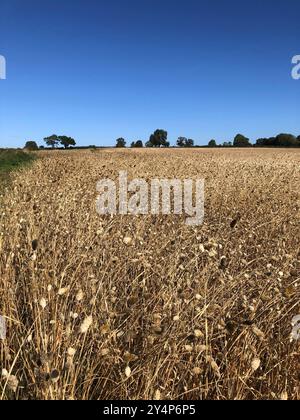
(31, 145)
(241, 141)
(138, 144)
(185, 142)
(120, 143)
(212, 143)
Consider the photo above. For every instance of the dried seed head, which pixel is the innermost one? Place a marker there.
(157, 395)
(43, 303)
(71, 351)
(258, 332)
(104, 352)
(128, 372)
(62, 291)
(12, 383)
(198, 333)
(197, 371)
(80, 296)
(255, 364)
(127, 241)
(85, 326)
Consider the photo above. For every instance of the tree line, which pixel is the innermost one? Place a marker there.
(159, 139)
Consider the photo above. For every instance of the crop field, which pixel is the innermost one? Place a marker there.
(147, 307)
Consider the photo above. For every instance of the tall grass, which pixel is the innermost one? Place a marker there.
(11, 159)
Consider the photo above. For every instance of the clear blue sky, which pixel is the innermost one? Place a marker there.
(97, 69)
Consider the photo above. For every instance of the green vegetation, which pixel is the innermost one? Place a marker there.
(11, 160)
(184, 142)
(54, 140)
(137, 144)
(158, 139)
(121, 143)
(31, 146)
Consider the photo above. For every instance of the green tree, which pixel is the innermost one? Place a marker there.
(184, 142)
(286, 140)
(66, 141)
(241, 141)
(212, 143)
(159, 139)
(31, 145)
(139, 144)
(121, 143)
(52, 141)
(282, 140)
(181, 142)
(149, 144)
(227, 144)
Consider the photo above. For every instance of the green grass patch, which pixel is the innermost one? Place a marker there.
(11, 160)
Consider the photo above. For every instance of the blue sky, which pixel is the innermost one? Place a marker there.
(97, 70)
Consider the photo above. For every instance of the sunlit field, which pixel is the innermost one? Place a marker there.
(146, 307)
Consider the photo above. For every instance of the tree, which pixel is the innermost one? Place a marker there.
(149, 144)
(66, 141)
(159, 139)
(52, 141)
(282, 140)
(184, 142)
(212, 143)
(190, 143)
(181, 142)
(137, 144)
(121, 143)
(31, 145)
(286, 140)
(241, 141)
(227, 144)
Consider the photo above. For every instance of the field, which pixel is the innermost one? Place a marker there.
(147, 307)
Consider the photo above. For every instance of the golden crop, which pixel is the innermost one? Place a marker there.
(146, 307)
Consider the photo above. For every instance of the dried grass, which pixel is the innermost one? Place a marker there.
(181, 313)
